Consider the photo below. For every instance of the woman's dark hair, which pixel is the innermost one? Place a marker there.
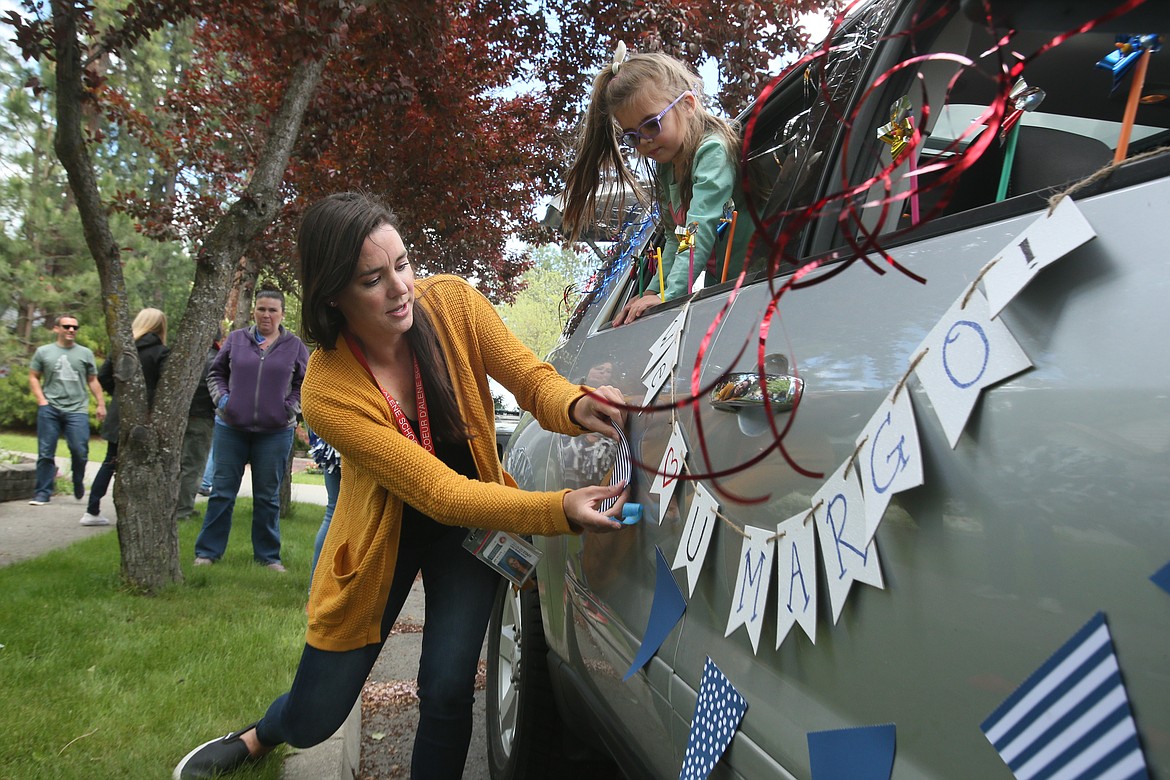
(269, 292)
(329, 245)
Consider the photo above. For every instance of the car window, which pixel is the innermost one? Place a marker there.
(789, 148)
(1070, 130)
(792, 141)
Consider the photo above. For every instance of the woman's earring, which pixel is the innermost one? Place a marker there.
(332, 303)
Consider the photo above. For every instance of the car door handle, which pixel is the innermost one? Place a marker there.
(742, 391)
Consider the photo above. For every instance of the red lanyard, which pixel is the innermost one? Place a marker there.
(424, 425)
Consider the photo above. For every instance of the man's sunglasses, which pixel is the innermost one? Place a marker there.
(70, 327)
(649, 130)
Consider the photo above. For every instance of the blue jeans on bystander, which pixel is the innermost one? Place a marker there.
(268, 453)
(332, 488)
(51, 422)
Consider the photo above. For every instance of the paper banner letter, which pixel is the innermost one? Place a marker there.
(750, 596)
(1042, 243)
(669, 338)
(796, 576)
(1071, 717)
(967, 351)
(666, 478)
(718, 711)
(663, 357)
(696, 536)
(840, 519)
(890, 459)
(665, 612)
(864, 753)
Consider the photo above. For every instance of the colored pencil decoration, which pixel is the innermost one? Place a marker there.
(1022, 98)
(897, 134)
(1131, 52)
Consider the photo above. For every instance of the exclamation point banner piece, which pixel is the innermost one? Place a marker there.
(1042, 243)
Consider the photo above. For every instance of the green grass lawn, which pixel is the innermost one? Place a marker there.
(27, 443)
(98, 683)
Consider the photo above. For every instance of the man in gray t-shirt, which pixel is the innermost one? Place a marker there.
(59, 376)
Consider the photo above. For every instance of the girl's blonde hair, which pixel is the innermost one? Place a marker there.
(654, 76)
(150, 321)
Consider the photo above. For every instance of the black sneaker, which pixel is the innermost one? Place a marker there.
(217, 757)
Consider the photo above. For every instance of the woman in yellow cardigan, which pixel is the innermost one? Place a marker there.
(399, 386)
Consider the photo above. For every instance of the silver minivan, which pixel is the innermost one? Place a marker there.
(1040, 507)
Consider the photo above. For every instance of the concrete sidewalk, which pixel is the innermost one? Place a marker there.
(28, 531)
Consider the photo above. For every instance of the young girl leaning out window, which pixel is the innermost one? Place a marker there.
(652, 103)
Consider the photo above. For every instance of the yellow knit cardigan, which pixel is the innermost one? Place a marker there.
(381, 469)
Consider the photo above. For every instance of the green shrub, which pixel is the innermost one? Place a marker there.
(17, 408)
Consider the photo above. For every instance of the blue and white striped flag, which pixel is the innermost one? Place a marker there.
(1071, 720)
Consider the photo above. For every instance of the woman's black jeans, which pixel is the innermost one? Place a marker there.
(460, 591)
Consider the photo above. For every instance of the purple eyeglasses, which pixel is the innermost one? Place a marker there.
(649, 130)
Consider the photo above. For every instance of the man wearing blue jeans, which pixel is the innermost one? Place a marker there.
(59, 376)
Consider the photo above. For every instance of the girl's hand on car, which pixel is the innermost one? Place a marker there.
(600, 411)
(581, 508)
(635, 308)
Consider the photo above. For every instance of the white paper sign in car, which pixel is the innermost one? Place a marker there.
(1044, 242)
(840, 517)
(890, 459)
(967, 351)
(796, 577)
(666, 477)
(696, 536)
(663, 357)
(749, 600)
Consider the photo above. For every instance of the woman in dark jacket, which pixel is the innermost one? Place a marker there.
(150, 336)
(255, 383)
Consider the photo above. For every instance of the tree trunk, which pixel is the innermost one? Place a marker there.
(146, 488)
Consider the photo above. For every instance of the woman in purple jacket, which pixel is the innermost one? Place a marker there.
(255, 383)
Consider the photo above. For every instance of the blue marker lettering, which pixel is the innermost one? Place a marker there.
(749, 579)
(953, 335)
(837, 532)
(898, 451)
(797, 572)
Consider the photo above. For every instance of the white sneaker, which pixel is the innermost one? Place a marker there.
(88, 519)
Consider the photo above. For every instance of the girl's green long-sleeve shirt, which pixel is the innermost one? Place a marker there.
(713, 183)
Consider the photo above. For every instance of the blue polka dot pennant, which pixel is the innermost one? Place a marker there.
(717, 715)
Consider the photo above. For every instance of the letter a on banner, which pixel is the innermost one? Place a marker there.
(796, 577)
(840, 518)
(966, 352)
(890, 460)
(696, 536)
(749, 599)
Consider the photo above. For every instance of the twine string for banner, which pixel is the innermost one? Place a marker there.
(808, 516)
(853, 457)
(1104, 172)
(910, 370)
(726, 520)
(978, 278)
